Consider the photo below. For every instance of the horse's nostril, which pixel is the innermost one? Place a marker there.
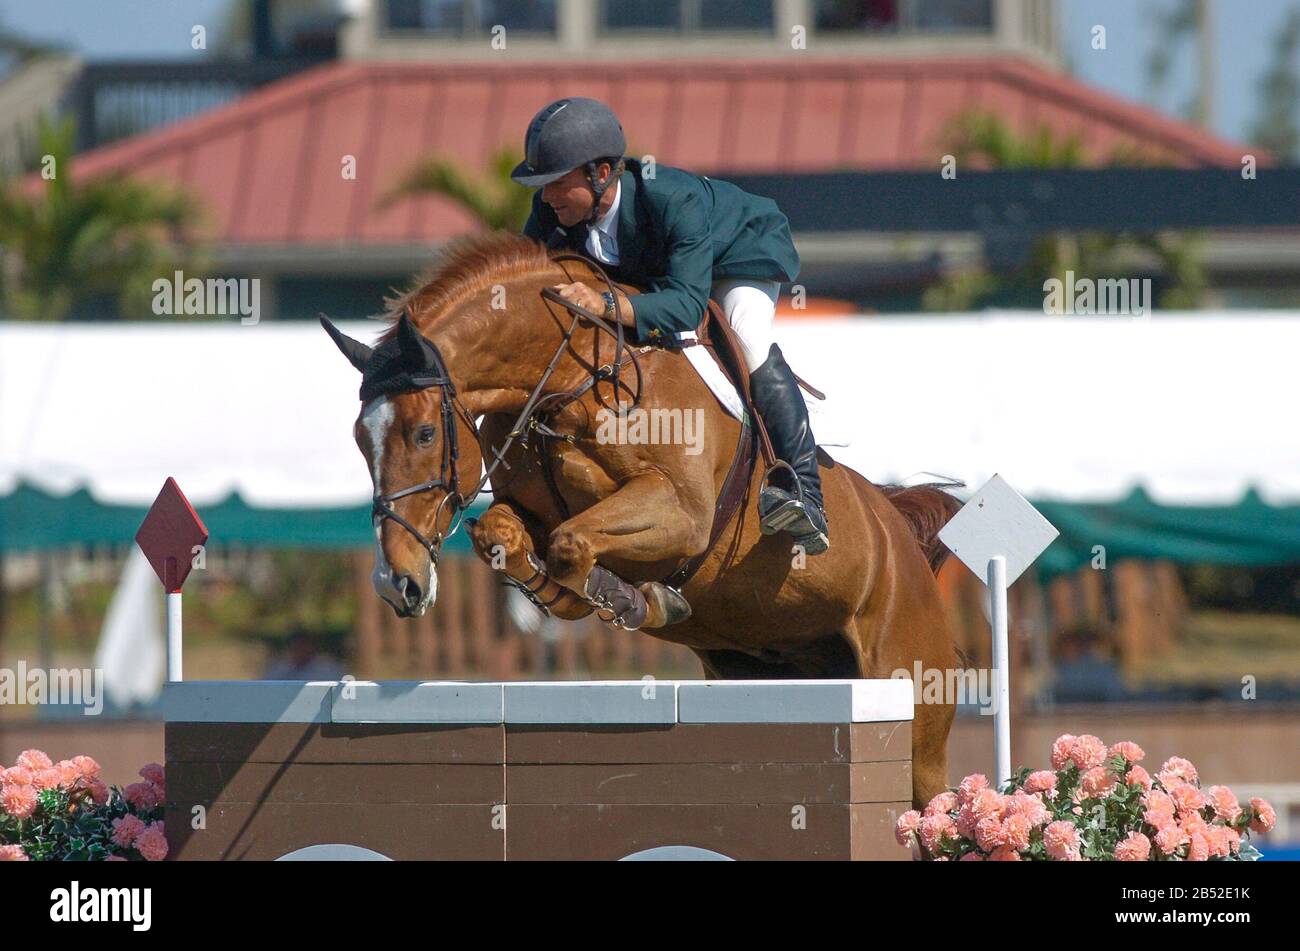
(409, 589)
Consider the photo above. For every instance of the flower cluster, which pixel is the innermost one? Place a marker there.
(64, 811)
(1094, 804)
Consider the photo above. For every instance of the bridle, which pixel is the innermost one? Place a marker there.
(529, 419)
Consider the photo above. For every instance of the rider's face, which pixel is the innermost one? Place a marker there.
(571, 196)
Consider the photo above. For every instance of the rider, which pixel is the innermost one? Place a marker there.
(686, 238)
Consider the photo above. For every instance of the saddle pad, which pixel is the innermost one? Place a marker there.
(824, 430)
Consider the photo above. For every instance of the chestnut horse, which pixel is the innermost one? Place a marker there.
(475, 341)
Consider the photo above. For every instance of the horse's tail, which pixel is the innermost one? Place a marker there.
(927, 508)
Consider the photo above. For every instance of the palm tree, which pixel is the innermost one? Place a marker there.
(63, 242)
(984, 140)
(490, 196)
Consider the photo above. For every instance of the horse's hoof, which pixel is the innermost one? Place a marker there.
(667, 605)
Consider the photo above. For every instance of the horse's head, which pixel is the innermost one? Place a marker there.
(408, 432)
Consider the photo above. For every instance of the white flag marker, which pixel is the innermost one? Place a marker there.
(997, 535)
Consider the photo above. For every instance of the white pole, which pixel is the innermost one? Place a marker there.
(174, 637)
(997, 582)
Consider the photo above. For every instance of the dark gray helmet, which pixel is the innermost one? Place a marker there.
(565, 135)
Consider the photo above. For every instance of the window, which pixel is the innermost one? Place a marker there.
(468, 17)
(687, 16)
(906, 16)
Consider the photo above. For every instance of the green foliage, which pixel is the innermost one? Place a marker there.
(1275, 126)
(983, 140)
(63, 242)
(494, 200)
(71, 828)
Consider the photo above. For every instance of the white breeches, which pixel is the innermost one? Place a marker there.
(750, 306)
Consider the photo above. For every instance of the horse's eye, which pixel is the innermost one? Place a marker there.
(424, 436)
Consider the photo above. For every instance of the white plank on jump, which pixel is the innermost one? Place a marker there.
(397, 701)
(614, 701)
(247, 701)
(794, 701)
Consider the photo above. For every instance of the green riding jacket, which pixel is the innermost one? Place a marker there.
(677, 234)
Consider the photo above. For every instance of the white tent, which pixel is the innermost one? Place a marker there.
(1196, 408)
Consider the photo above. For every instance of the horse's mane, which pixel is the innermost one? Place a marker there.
(464, 267)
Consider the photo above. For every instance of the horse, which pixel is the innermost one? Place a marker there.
(477, 338)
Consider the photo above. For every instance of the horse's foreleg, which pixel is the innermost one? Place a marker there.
(503, 541)
(642, 521)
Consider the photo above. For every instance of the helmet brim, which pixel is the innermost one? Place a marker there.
(523, 174)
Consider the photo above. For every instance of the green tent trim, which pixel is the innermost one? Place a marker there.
(1248, 533)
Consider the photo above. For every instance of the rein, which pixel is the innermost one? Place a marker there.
(537, 405)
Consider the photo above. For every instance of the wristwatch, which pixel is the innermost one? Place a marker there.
(611, 305)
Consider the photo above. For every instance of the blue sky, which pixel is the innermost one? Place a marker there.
(1245, 28)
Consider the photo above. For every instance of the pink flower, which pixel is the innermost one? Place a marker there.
(1097, 782)
(1187, 798)
(34, 760)
(18, 801)
(1137, 776)
(1061, 748)
(89, 768)
(1042, 781)
(1131, 752)
(1170, 838)
(98, 792)
(152, 843)
(1198, 848)
(1192, 823)
(1265, 816)
(1176, 771)
(969, 786)
(1088, 751)
(1015, 831)
(944, 802)
(68, 773)
(966, 820)
(1224, 802)
(13, 853)
(1005, 854)
(934, 829)
(906, 827)
(1157, 801)
(1158, 819)
(971, 857)
(16, 776)
(152, 773)
(1220, 841)
(987, 803)
(142, 796)
(126, 830)
(1233, 838)
(1031, 807)
(47, 778)
(989, 834)
(1061, 838)
(1135, 847)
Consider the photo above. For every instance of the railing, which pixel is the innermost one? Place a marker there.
(113, 101)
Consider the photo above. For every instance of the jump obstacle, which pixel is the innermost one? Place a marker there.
(493, 771)
(810, 769)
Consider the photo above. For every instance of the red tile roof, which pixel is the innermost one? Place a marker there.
(268, 165)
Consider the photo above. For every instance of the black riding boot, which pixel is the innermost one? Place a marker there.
(789, 504)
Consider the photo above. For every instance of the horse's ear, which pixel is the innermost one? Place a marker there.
(416, 352)
(358, 353)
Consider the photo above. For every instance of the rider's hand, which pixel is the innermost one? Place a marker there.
(582, 295)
